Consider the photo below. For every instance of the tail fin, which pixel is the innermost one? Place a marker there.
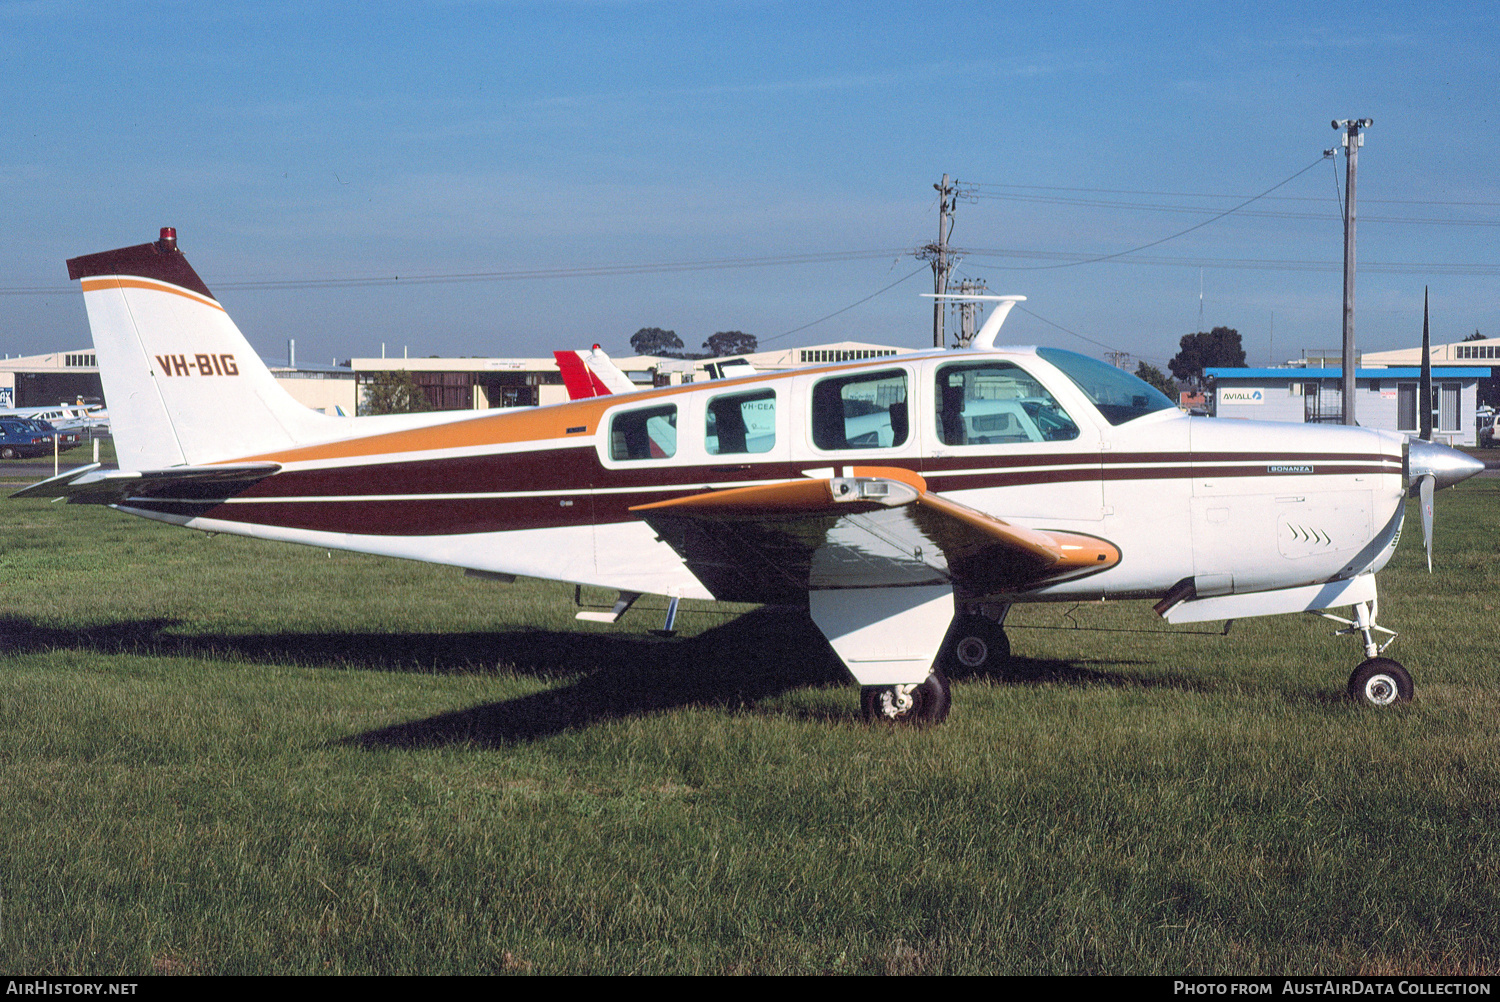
(591, 374)
(182, 383)
(579, 381)
(602, 368)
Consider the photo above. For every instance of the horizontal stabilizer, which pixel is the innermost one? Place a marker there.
(94, 484)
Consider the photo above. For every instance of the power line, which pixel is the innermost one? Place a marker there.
(846, 309)
(1174, 236)
(1197, 194)
(1256, 213)
(1251, 264)
(586, 271)
(1084, 337)
(1458, 268)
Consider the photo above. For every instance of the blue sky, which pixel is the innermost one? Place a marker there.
(344, 141)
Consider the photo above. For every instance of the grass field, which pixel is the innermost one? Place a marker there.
(223, 756)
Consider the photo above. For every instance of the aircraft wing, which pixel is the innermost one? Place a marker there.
(93, 484)
(872, 527)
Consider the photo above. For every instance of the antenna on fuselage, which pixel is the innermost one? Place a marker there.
(1003, 304)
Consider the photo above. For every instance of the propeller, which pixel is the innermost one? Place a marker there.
(1429, 465)
(1425, 491)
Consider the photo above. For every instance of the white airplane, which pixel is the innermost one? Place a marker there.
(68, 417)
(593, 373)
(907, 502)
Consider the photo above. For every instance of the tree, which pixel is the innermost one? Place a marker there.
(655, 341)
(1158, 379)
(394, 392)
(1476, 336)
(730, 343)
(1218, 348)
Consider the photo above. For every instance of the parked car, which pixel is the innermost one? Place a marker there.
(21, 439)
(1484, 419)
(66, 439)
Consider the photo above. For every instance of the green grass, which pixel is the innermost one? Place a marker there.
(222, 756)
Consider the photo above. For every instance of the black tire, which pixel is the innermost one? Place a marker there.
(1380, 682)
(924, 703)
(974, 646)
(9, 452)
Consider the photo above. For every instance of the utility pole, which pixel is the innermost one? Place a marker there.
(1118, 359)
(940, 256)
(1353, 140)
(968, 308)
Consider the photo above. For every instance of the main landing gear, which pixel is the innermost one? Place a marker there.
(925, 702)
(1378, 681)
(975, 645)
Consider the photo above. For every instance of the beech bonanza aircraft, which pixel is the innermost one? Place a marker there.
(906, 501)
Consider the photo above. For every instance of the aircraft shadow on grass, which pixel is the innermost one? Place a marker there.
(763, 653)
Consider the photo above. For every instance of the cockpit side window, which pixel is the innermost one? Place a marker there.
(993, 403)
(649, 433)
(867, 411)
(741, 423)
(1119, 396)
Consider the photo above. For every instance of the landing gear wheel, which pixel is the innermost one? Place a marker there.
(975, 646)
(1380, 682)
(918, 703)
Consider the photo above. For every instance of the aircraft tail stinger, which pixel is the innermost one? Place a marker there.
(183, 384)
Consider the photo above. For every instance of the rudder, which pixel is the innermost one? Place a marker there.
(182, 384)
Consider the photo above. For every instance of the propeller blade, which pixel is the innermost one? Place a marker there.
(1424, 384)
(1426, 492)
(1430, 466)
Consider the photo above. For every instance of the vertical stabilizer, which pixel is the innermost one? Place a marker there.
(182, 383)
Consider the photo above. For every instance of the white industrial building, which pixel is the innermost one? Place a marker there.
(1385, 397)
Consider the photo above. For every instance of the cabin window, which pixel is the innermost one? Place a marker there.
(741, 423)
(992, 403)
(867, 411)
(649, 433)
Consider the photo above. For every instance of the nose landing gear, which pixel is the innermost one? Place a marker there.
(1378, 681)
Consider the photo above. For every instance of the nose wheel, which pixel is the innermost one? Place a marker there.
(1380, 682)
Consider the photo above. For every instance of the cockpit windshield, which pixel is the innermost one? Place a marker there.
(1119, 396)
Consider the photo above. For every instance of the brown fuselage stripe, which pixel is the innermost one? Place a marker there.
(583, 492)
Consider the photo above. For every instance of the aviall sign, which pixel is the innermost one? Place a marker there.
(1242, 395)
